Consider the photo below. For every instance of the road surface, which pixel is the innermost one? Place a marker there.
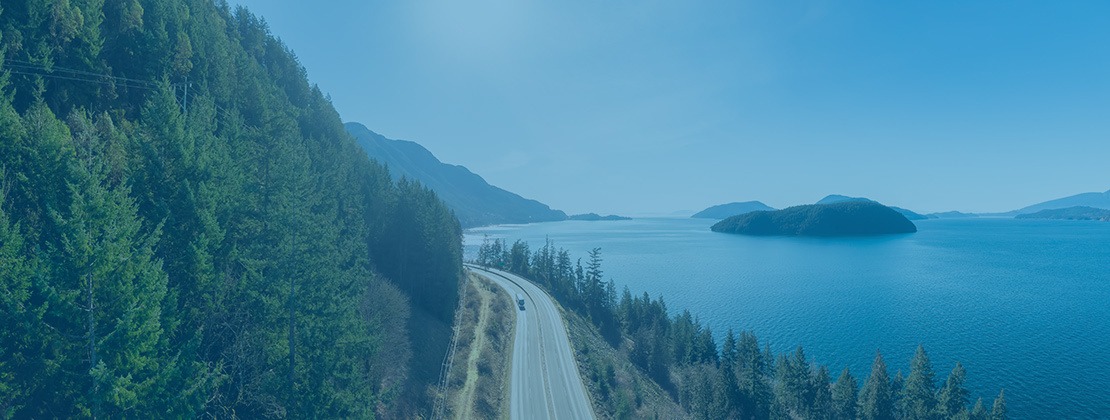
(544, 383)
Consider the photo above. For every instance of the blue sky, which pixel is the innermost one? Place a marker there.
(657, 106)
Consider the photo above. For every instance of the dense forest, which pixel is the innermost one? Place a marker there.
(186, 230)
(736, 378)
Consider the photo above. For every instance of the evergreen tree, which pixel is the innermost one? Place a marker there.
(844, 396)
(821, 407)
(876, 400)
(918, 395)
(979, 412)
(998, 410)
(952, 398)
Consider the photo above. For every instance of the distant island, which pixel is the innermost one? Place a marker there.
(845, 218)
(723, 211)
(1070, 213)
(951, 215)
(837, 198)
(593, 217)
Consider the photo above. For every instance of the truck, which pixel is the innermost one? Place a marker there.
(520, 301)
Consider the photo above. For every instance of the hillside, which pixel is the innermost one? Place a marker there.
(1092, 199)
(723, 211)
(1070, 213)
(474, 201)
(836, 198)
(187, 230)
(847, 218)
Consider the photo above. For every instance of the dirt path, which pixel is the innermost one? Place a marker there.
(480, 374)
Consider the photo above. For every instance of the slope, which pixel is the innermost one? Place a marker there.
(474, 201)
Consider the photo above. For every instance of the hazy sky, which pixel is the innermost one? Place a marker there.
(655, 106)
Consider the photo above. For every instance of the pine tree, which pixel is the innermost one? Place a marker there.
(998, 410)
(18, 314)
(952, 398)
(979, 412)
(108, 292)
(821, 407)
(876, 399)
(918, 395)
(844, 396)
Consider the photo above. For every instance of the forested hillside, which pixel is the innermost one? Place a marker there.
(186, 229)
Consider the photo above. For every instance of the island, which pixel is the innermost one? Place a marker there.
(722, 211)
(952, 215)
(837, 198)
(847, 218)
(593, 217)
(1070, 213)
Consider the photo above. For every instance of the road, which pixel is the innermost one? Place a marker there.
(544, 383)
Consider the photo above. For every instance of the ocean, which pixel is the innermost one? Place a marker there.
(1023, 304)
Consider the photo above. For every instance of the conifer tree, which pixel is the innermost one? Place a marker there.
(918, 395)
(952, 398)
(844, 396)
(998, 410)
(876, 399)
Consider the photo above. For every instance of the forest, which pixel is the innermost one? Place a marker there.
(186, 229)
(735, 378)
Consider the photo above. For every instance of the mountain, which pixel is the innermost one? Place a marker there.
(723, 211)
(474, 201)
(593, 217)
(1092, 199)
(845, 218)
(1070, 213)
(836, 198)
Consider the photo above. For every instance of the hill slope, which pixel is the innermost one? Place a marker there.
(722, 211)
(474, 201)
(849, 218)
(836, 198)
(1092, 199)
(1070, 213)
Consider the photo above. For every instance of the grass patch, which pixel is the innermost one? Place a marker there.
(478, 383)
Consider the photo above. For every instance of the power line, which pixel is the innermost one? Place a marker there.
(37, 66)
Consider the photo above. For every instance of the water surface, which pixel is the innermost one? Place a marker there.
(1023, 304)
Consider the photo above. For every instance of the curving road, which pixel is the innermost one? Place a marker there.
(544, 383)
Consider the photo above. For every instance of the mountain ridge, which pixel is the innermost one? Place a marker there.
(474, 200)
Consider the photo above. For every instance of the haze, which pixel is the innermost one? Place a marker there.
(657, 106)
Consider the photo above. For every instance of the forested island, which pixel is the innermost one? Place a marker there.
(845, 218)
(1070, 213)
(593, 217)
(187, 231)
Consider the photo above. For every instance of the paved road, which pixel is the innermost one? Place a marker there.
(544, 381)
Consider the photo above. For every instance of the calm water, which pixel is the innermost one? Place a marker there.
(1024, 305)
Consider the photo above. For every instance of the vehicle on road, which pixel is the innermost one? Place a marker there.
(520, 301)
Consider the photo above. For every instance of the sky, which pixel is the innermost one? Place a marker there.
(652, 107)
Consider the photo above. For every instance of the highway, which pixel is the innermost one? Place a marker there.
(544, 383)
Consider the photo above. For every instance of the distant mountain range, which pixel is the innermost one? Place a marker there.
(474, 201)
(1070, 213)
(723, 211)
(1098, 200)
(839, 218)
